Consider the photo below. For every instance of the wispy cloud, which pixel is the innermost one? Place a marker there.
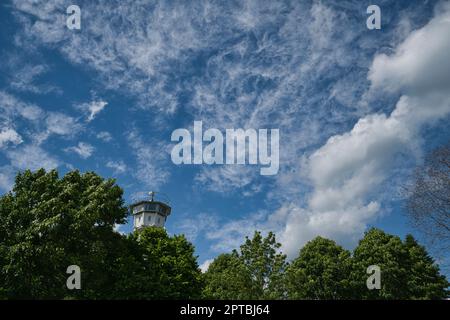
(32, 157)
(348, 169)
(104, 136)
(92, 108)
(26, 79)
(9, 135)
(301, 67)
(83, 149)
(149, 158)
(118, 167)
(7, 174)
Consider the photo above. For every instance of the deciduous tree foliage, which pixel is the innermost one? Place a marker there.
(227, 278)
(321, 271)
(407, 272)
(325, 270)
(390, 254)
(424, 279)
(256, 271)
(48, 223)
(167, 269)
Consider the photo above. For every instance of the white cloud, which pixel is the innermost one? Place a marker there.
(349, 167)
(149, 159)
(83, 149)
(105, 136)
(205, 265)
(117, 166)
(25, 79)
(9, 135)
(12, 107)
(40, 124)
(61, 124)
(118, 227)
(92, 108)
(194, 225)
(420, 64)
(226, 178)
(257, 79)
(7, 175)
(31, 157)
(346, 171)
(250, 78)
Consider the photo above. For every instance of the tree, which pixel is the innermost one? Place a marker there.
(321, 271)
(428, 205)
(387, 252)
(166, 267)
(407, 271)
(424, 279)
(227, 278)
(256, 271)
(48, 223)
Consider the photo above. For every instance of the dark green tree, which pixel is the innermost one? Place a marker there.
(407, 271)
(424, 279)
(389, 253)
(48, 223)
(227, 278)
(321, 271)
(256, 271)
(166, 267)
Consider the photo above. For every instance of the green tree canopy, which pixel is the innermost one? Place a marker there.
(407, 271)
(387, 252)
(167, 267)
(227, 278)
(48, 223)
(321, 271)
(256, 271)
(424, 279)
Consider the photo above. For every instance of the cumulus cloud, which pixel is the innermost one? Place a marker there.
(83, 149)
(349, 167)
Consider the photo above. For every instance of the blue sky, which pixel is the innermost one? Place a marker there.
(356, 108)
